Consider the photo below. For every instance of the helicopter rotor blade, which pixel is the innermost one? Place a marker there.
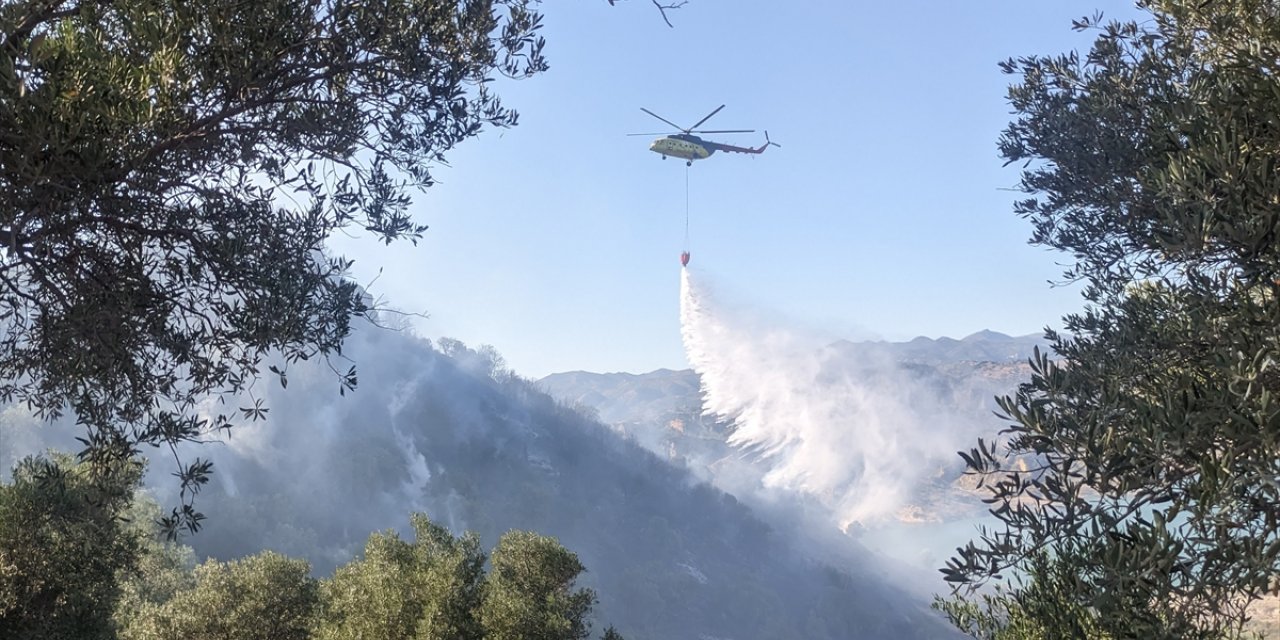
(663, 133)
(725, 131)
(706, 118)
(664, 119)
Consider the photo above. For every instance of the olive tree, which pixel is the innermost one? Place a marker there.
(260, 597)
(169, 172)
(428, 589)
(1139, 466)
(530, 594)
(64, 548)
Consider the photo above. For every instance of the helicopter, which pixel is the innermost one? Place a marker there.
(689, 147)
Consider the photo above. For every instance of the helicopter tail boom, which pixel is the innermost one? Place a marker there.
(731, 148)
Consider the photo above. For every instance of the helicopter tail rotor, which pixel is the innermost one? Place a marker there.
(760, 149)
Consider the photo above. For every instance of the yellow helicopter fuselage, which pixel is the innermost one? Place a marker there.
(685, 147)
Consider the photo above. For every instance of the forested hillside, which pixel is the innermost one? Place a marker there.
(458, 437)
(479, 449)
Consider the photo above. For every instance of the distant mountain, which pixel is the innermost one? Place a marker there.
(626, 397)
(967, 373)
(983, 346)
(662, 410)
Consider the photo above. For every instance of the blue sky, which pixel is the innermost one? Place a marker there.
(882, 215)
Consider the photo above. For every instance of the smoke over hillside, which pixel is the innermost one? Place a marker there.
(854, 430)
(448, 431)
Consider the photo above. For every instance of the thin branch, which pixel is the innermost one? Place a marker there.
(662, 8)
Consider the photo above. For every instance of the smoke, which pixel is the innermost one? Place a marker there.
(858, 433)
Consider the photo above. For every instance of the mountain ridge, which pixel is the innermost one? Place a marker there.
(626, 397)
(663, 410)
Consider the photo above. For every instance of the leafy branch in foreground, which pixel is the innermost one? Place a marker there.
(169, 172)
(1141, 463)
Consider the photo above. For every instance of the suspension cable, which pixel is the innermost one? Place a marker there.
(686, 208)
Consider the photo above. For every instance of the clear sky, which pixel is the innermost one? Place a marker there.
(882, 215)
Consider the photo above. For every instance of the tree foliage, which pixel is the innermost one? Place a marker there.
(262, 597)
(435, 588)
(1043, 604)
(79, 562)
(63, 549)
(529, 594)
(427, 589)
(169, 172)
(163, 570)
(1142, 462)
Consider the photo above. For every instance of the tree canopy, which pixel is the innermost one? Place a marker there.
(81, 557)
(169, 172)
(63, 548)
(1136, 478)
(261, 597)
(429, 588)
(529, 594)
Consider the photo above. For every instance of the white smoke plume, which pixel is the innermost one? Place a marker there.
(858, 436)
